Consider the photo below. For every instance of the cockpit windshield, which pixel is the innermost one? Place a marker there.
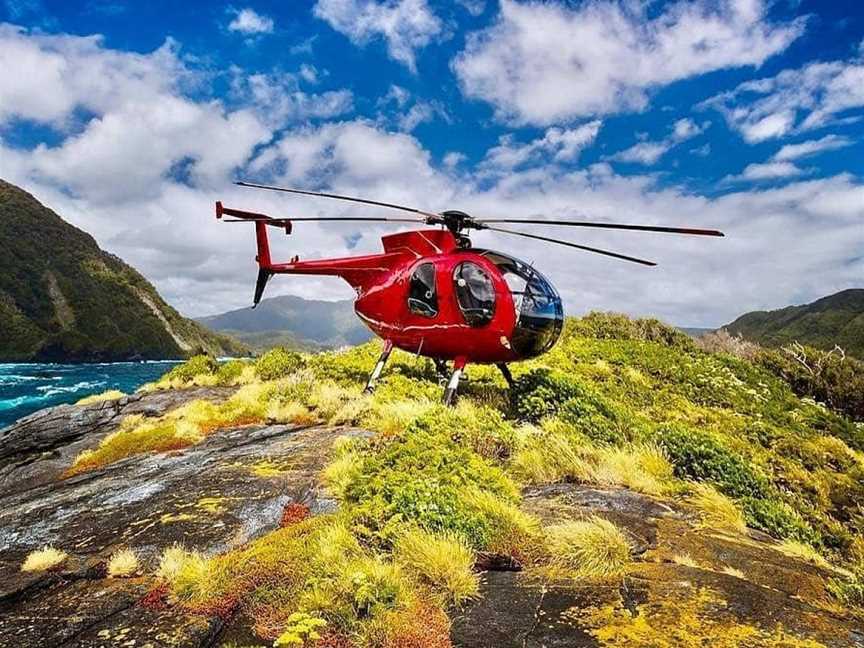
(540, 315)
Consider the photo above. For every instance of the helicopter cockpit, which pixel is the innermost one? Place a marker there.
(540, 315)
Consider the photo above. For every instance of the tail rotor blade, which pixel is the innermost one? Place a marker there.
(614, 255)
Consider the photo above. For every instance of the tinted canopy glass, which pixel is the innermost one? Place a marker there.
(540, 315)
(422, 295)
(475, 293)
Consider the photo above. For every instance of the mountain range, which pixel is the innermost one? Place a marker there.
(837, 319)
(63, 298)
(293, 322)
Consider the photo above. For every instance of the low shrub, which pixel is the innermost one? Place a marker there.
(700, 456)
(592, 548)
(777, 519)
(195, 366)
(614, 326)
(278, 363)
(231, 372)
(541, 392)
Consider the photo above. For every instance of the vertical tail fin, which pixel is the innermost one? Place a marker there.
(263, 259)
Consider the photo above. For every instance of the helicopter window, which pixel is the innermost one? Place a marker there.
(422, 297)
(475, 293)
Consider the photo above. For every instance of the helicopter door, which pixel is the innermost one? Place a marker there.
(475, 293)
(422, 296)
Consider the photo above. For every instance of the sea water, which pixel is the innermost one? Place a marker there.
(27, 387)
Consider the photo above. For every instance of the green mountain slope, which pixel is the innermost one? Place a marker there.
(293, 322)
(62, 298)
(836, 319)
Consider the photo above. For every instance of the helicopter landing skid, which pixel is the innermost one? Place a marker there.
(453, 384)
(379, 367)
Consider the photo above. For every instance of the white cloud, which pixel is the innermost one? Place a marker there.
(541, 63)
(812, 147)
(557, 144)
(276, 98)
(309, 73)
(648, 153)
(766, 171)
(405, 25)
(783, 245)
(395, 111)
(249, 22)
(477, 7)
(794, 101)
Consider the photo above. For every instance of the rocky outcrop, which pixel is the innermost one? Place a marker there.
(234, 486)
(684, 578)
(212, 497)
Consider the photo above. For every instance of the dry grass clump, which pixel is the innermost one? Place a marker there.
(643, 468)
(685, 560)
(723, 342)
(111, 394)
(732, 571)
(342, 472)
(512, 532)
(548, 458)
(592, 548)
(44, 559)
(171, 562)
(716, 510)
(444, 560)
(393, 417)
(123, 562)
(796, 549)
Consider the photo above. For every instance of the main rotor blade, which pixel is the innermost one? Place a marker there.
(614, 255)
(379, 219)
(338, 197)
(616, 226)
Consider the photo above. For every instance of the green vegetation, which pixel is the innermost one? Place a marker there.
(620, 403)
(833, 320)
(63, 298)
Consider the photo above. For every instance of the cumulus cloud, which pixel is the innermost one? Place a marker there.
(557, 144)
(405, 25)
(794, 101)
(812, 147)
(398, 108)
(784, 244)
(541, 63)
(250, 23)
(766, 171)
(648, 153)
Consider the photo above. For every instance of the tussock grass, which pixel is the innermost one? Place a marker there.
(44, 559)
(343, 471)
(732, 571)
(511, 531)
(643, 468)
(593, 548)
(546, 459)
(803, 551)
(716, 510)
(123, 562)
(442, 559)
(171, 562)
(111, 394)
(685, 560)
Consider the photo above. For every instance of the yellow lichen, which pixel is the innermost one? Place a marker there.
(682, 622)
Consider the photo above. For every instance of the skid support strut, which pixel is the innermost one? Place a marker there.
(453, 384)
(379, 367)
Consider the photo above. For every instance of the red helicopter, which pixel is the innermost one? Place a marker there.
(433, 294)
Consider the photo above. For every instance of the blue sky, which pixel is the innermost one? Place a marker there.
(131, 118)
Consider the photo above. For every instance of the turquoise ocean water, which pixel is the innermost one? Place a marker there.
(25, 388)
